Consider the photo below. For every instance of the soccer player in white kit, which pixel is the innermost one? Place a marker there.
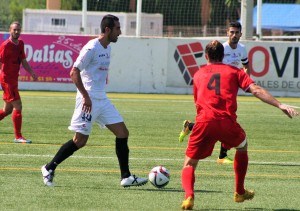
(89, 74)
(234, 54)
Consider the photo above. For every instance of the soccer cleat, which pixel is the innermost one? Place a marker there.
(248, 195)
(225, 160)
(185, 130)
(188, 204)
(133, 181)
(47, 176)
(22, 140)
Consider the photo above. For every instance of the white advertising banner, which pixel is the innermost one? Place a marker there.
(274, 65)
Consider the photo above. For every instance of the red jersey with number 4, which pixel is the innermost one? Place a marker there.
(11, 56)
(215, 91)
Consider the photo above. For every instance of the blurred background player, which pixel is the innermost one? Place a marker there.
(89, 74)
(234, 54)
(216, 105)
(12, 55)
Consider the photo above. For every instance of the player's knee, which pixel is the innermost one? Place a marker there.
(242, 146)
(17, 105)
(8, 111)
(124, 133)
(80, 144)
(189, 162)
(80, 140)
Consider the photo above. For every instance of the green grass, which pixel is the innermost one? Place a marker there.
(89, 180)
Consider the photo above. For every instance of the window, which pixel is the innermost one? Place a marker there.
(133, 24)
(58, 22)
(151, 25)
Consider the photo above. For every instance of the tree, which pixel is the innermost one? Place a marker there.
(71, 4)
(13, 10)
(4, 17)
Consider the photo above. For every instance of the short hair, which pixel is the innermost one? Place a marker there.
(108, 21)
(15, 22)
(215, 51)
(236, 24)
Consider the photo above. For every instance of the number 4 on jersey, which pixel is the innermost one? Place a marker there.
(214, 83)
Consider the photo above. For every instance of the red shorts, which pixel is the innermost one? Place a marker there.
(205, 134)
(10, 91)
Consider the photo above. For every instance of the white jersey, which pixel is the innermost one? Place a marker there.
(236, 56)
(93, 63)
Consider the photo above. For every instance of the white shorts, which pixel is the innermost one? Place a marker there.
(103, 113)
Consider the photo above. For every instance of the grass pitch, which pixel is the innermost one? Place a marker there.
(89, 180)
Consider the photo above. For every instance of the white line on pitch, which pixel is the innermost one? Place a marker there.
(153, 159)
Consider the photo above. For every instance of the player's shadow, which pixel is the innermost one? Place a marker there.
(6, 132)
(286, 210)
(247, 209)
(175, 190)
(276, 164)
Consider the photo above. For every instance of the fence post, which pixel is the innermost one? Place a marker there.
(138, 18)
(247, 19)
(83, 28)
(258, 19)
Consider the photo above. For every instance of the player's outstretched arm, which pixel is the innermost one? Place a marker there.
(289, 111)
(266, 97)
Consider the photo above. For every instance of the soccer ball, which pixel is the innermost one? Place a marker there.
(159, 176)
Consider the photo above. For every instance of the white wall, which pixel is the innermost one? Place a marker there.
(147, 65)
(38, 20)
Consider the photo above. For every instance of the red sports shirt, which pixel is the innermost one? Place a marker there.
(11, 56)
(215, 91)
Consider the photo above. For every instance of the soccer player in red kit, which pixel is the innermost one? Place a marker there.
(12, 55)
(235, 54)
(215, 91)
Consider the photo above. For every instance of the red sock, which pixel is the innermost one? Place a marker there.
(188, 181)
(240, 170)
(17, 121)
(2, 114)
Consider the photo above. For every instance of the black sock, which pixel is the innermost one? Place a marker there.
(223, 152)
(191, 125)
(63, 153)
(122, 152)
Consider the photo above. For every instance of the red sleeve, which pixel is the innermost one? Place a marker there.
(23, 56)
(244, 80)
(1, 53)
(195, 90)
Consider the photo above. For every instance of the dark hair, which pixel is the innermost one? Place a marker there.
(15, 22)
(215, 51)
(108, 21)
(235, 24)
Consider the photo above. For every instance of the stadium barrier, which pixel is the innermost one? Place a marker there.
(155, 65)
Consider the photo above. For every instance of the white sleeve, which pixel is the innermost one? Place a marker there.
(84, 59)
